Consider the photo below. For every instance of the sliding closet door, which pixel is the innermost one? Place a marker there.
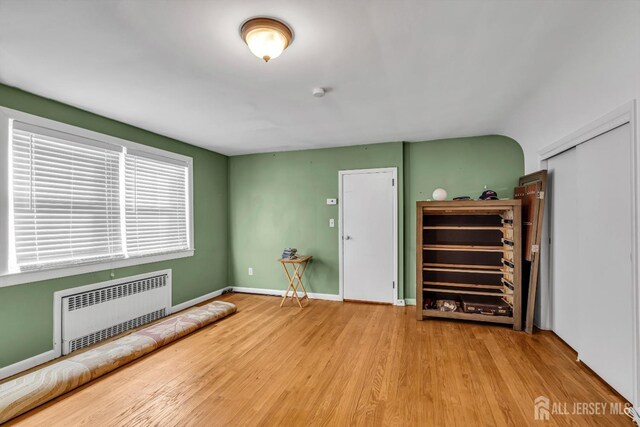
(564, 286)
(604, 218)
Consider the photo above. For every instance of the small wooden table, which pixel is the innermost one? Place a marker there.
(295, 279)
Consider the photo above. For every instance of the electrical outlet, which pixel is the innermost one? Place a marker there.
(250, 271)
(332, 223)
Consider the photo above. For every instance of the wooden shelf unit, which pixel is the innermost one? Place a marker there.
(469, 248)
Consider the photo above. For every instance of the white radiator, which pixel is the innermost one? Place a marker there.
(96, 312)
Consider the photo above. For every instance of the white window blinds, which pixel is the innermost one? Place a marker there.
(79, 200)
(156, 202)
(66, 201)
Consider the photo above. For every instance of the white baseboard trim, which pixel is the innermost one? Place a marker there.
(634, 414)
(29, 363)
(410, 301)
(198, 300)
(328, 297)
(279, 292)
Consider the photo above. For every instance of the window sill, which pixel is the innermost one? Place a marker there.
(36, 276)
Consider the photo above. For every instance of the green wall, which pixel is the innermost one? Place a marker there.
(462, 166)
(278, 200)
(248, 208)
(26, 311)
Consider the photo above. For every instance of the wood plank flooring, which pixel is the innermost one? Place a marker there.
(338, 364)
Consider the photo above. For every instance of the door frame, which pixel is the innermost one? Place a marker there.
(341, 174)
(622, 115)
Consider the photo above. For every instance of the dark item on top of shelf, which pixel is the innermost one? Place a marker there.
(462, 198)
(489, 195)
(289, 253)
(490, 306)
(447, 305)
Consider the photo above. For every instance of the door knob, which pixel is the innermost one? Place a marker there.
(347, 237)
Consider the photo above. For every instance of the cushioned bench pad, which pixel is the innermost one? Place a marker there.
(29, 391)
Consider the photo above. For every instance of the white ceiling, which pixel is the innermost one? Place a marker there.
(396, 69)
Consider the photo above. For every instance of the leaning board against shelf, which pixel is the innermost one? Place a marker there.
(469, 251)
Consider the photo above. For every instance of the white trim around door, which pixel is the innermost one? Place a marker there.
(394, 172)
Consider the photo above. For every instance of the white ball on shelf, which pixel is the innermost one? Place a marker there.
(439, 194)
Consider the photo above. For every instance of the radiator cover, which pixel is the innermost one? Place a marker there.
(100, 311)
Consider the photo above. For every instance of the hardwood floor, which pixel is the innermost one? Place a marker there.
(338, 364)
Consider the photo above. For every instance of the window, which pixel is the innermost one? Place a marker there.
(77, 198)
(155, 204)
(66, 206)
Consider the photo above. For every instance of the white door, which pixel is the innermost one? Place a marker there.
(368, 202)
(563, 209)
(591, 225)
(605, 251)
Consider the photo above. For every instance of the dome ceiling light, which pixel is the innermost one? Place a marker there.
(267, 38)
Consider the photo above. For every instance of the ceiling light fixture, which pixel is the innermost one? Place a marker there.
(267, 38)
